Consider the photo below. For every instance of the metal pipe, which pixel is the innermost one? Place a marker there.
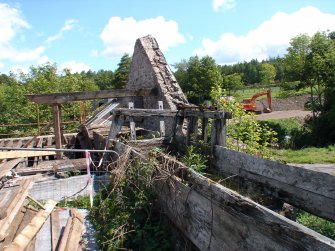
(56, 150)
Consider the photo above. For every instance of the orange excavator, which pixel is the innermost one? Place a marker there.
(249, 104)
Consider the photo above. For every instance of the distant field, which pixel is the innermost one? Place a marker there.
(276, 92)
(310, 155)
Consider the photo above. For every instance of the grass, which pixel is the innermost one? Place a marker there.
(310, 155)
(322, 226)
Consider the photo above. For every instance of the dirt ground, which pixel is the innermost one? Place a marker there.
(292, 107)
(284, 114)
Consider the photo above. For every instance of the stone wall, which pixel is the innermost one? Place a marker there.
(149, 69)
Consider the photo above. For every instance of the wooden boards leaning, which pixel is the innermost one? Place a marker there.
(23, 239)
(9, 211)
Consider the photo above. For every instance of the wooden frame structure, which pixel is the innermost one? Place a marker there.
(56, 99)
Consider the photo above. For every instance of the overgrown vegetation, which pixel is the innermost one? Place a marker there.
(322, 226)
(81, 201)
(195, 159)
(126, 213)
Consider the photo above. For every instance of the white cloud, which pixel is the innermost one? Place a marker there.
(43, 60)
(2, 65)
(223, 4)
(11, 24)
(68, 25)
(271, 38)
(74, 66)
(20, 68)
(119, 34)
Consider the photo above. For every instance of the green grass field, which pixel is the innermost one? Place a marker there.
(310, 155)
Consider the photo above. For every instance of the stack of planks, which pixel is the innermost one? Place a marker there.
(20, 222)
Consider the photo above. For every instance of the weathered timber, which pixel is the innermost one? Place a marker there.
(204, 127)
(161, 121)
(132, 123)
(54, 166)
(55, 229)
(192, 130)
(214, 217)
(23, 239)
(117, 122)
(303, 188)
(9, 212)
(72, 232)
(24, 154)
(30, 213)
(7, 166)
(57, 128)
(59, 98)
(13, 229)
(169, 113)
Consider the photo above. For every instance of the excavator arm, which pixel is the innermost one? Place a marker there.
(250, 105)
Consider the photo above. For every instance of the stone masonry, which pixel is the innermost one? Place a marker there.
(149, 69)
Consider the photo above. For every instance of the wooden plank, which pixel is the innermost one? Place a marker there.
(161, 120)
(59, 98)
(62, 165)
(65, 235)
(55, 229)
(9, 213)
(13, 229)
(24, 154)
(73, 241)
(28, 216)
(169, 113)
(57, 128)
(7, 166)
(303, 188)
(117, 122)
(72, 233)
(214, 217)
(132, 123)
(23, 239)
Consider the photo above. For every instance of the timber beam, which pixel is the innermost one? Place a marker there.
(172, 113)
(60, 98)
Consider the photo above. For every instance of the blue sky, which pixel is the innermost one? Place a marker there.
(87, 34)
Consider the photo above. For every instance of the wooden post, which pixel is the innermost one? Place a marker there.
(132, 123)
(218, 132)
(57, 128)
(192, 130)
(161, 121)
(204, 127)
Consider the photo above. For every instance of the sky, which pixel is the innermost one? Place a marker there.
(94, 35)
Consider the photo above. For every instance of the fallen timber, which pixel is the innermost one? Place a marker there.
(214, 217)
(310, 190)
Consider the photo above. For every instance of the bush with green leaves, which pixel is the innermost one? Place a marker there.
(244, 133)
(126, 213)
(194, 160)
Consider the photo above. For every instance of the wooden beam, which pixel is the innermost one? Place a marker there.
(24, 154)
(307, 189)
(54, 166)
(7, 166)
(57, 128)
(170, 113)
(60, 98)
(23, 239)
(214, 217)
(55, 229)
(72, 233)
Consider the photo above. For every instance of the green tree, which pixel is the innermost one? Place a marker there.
(232, 81)
(122, 72)
(197, 76)
(267, 74)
